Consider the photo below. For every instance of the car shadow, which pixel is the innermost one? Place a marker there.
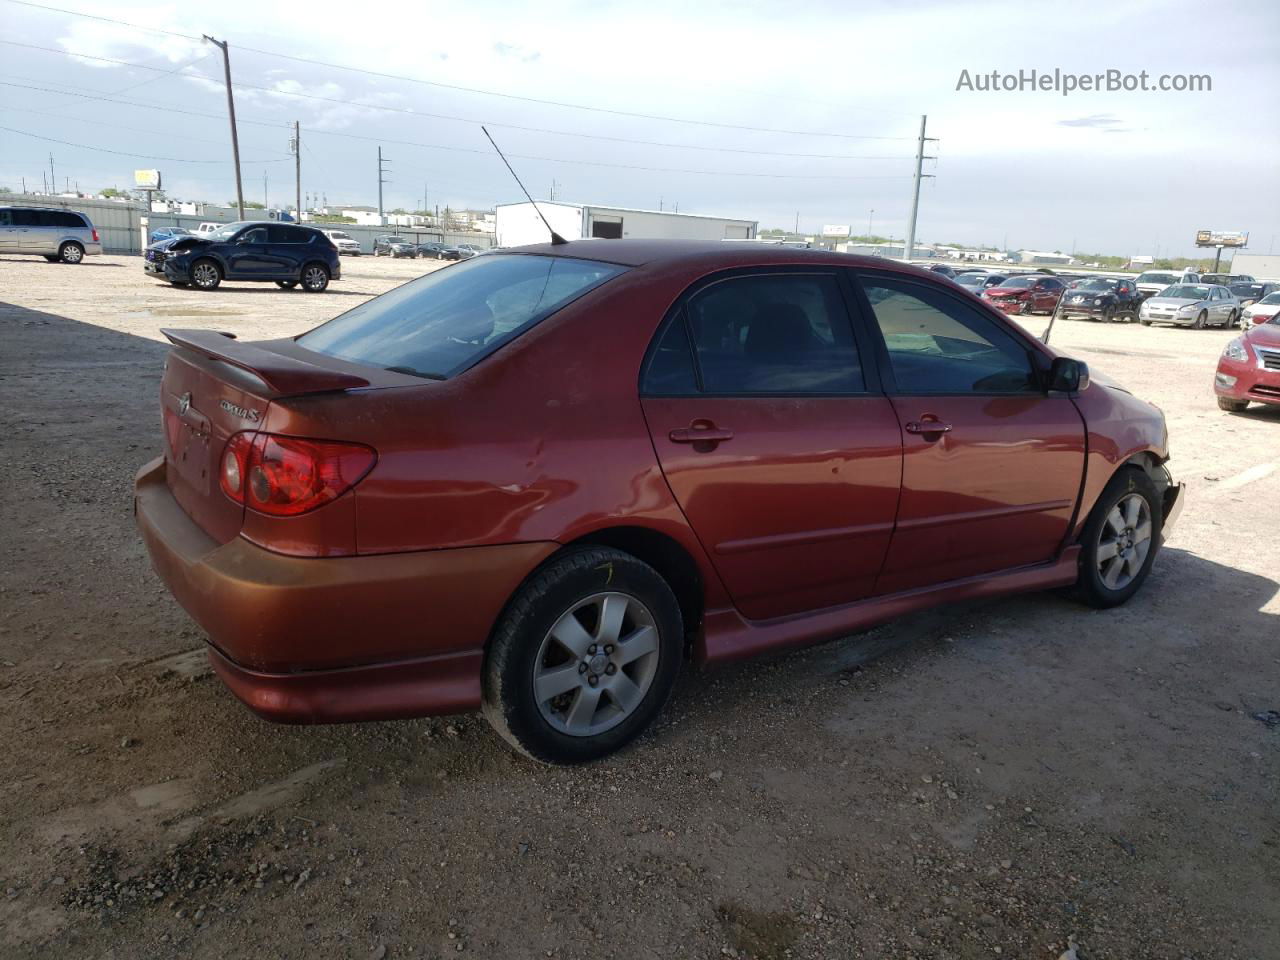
(262, 288)
(1265, 412)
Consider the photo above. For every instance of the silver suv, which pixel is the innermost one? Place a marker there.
(52, 233)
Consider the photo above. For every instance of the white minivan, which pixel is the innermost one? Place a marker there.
(52, 233)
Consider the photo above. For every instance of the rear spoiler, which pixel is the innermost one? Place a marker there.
(285, 376)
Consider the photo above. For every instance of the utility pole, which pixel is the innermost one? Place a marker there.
(296, 143)
(425, 199)
(909, 248)
(797, 231)
(265, 203)
(53, 181)
(231, 114)
(870, 216)
(381, 181)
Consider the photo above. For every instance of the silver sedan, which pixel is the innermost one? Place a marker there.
(1196, 305)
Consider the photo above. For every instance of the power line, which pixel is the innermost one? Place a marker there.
(519, 156)
(475, 90)
(457, 119)
(116, 126)
(122, 153)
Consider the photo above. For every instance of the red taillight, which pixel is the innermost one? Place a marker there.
(286, 476)
(95, 235)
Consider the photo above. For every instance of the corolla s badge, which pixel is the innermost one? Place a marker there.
(184, 404)
(244, 413)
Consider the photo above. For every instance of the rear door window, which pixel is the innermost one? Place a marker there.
(780, 334)
(442, 323)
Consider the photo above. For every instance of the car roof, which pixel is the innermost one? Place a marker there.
(711, 254)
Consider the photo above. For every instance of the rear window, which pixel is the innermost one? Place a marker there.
(442, 323)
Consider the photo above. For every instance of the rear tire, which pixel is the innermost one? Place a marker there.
(1232, 406)
(1120, 540)
(315, 277)
(71, 252)
(205, 274)
(584, 657)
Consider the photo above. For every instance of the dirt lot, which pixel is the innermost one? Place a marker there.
(980, 781)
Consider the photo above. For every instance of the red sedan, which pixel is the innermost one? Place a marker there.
(1249, 369)
(530, 482)
(1026, 294)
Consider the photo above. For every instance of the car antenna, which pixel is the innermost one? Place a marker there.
(555, 237)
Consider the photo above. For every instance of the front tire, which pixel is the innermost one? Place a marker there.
(1120, 540)
(1202, 320)
(584, 657)
(71, 252)
(205, 275)
(1232, 406)
(1232, 320)
(315, 277)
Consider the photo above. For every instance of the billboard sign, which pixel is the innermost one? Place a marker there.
(1221, 238)
(835, 230)
(146, 179)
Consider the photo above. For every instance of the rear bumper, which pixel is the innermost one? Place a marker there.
(305, 639)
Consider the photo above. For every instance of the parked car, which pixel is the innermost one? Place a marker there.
(1026, 294)
(371, 531)
(1073, 282)
(976, 281)
(1102, 298)
(1249, 369)
(207, 228)
(432, 249)
(345, 243)
(56, 234)
(168, 233)
(1153, 281)
(390, 245)
(1196, 305)
(457, 251)
(943, 269)
(1250, 291)
(283, 253)
(1226, 279)
(1261, 311)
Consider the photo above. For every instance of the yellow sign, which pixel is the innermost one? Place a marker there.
(146, 179)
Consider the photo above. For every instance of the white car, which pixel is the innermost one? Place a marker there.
(1260, 312)
(1196, 305)
(1153, 281)
(206, 228)
(345, 243)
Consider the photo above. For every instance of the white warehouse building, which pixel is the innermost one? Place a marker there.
(519, 224)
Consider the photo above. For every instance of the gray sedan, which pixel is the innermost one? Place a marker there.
(1196, 305)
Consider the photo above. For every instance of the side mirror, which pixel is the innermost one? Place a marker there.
(1067, 375)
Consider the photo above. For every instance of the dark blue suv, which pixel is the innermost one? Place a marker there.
(283, 253)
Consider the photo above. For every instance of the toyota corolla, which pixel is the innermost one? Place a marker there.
(537, 482)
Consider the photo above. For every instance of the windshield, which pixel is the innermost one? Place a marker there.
(1157, 278)
(1018, 283)
(1186, 291)
(440, 324)
(1098, 283)
(338, 235)
(226, 232)
(1247, 289)
(970, 279)
(1271, 298)
(394, 240)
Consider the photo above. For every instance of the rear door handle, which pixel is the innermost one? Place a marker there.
(927, 425)
(700, 431)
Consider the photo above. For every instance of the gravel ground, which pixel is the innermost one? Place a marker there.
(994, 779)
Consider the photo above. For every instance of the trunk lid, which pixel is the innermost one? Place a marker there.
(214, 387)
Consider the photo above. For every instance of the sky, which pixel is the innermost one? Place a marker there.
(766, 111)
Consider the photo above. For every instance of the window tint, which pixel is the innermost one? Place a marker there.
(254, 235)
(25, 218)
(779, 333)
(938, 345)
(6, 218)
(441, 323)
(283, 233)
(68, 219)
(670, 370)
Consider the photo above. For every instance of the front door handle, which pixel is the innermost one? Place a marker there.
(927, 424)
(700, 431)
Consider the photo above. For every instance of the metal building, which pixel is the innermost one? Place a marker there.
(519, 224)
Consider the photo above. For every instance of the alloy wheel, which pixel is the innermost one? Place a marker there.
(204, 275)
(72, 253)
(1124, 541)
(596, 664)
(314, 278)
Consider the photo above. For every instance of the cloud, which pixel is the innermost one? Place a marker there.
(1096, 120)
(515, 51)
